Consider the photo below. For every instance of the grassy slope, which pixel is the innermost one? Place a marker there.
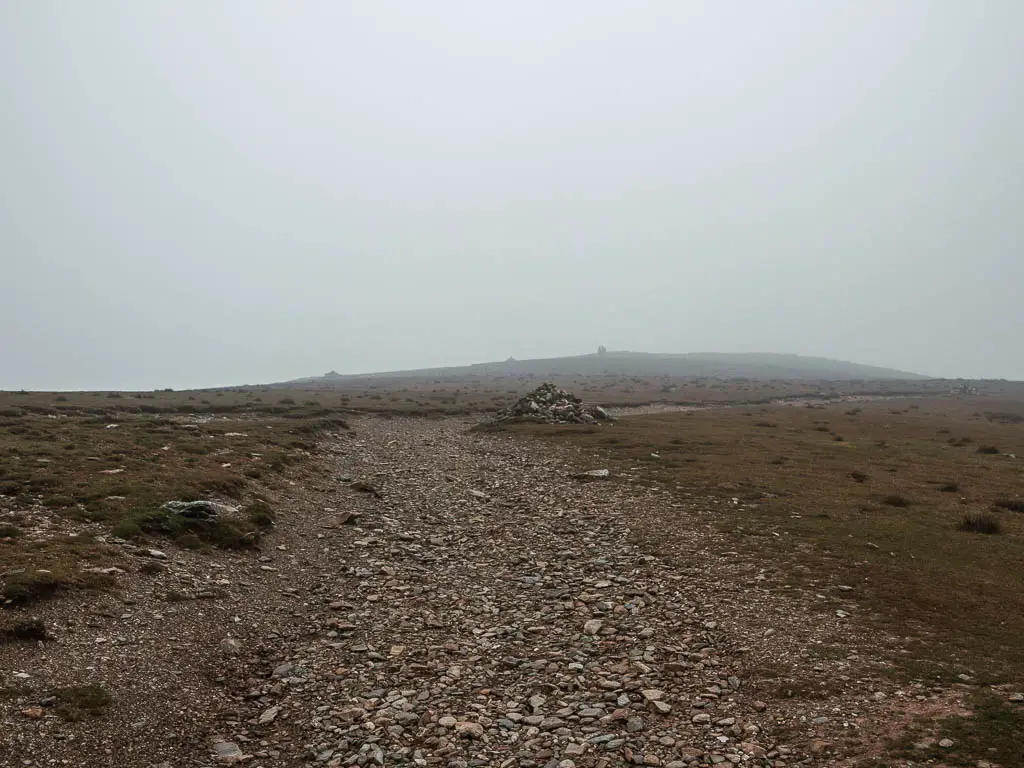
(76, 468)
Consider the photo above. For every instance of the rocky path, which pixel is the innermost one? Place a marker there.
(436, 597)
(492, 613)
(487, 610)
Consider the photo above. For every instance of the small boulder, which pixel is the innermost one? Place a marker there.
(469, 730)
(198, 510)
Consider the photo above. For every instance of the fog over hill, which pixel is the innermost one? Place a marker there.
(707, 364)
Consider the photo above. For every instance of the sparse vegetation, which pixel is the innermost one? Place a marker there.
(81, 701)
(10, 531)
(126, 528)
(992, 733)
(980, 522)
(113, 462)
(30, 586)
(1011, 505)
(1004, 417)
(24, 630)
(22, 586)
(151, 568)
(261, 514)
(895, 500)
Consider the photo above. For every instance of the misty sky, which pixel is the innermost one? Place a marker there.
(209, 193)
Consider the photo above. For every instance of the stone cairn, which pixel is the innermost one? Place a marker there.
(548, 404)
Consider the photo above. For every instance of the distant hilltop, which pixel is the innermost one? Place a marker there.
(763, 366)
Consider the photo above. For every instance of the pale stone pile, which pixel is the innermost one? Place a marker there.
(552, 405)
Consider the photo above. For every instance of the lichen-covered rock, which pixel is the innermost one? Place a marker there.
(198, 510)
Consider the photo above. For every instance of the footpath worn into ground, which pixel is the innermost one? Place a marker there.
(433, 596)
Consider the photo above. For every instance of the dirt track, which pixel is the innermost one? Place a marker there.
(484, 609)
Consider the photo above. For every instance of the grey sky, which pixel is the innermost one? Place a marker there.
(196, 193)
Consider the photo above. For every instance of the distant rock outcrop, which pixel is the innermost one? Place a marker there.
(552, 405)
